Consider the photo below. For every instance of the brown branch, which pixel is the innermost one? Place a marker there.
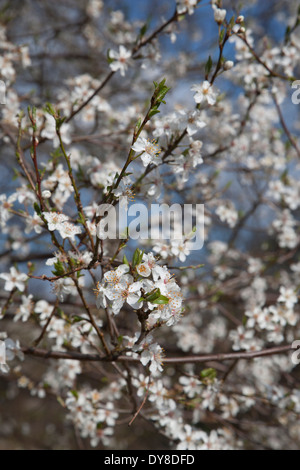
(86, 102)
(141, 44)
(284, 126)
(141, 405)
(258, 59)
(7, 302)
(43, 277)
(77, 197)
(20, 155)
(39, 339)
(241, 223)
(34, 159)
(167, 360)
(92, 320)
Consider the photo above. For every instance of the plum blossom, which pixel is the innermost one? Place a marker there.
(124, 291)
(55, 220)
(219, 14)
(149, 151)
(121, 60)
(153, 354)
(288, 296)
(204, 91)
(14, 280)
(186, 6)
(227, 214)
(68, 230)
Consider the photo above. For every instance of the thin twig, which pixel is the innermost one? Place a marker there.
(39, 339)
(141, 405)
(284, 126)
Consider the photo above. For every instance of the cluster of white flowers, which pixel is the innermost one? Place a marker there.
(146, 287)
(288, 193)
(94, 8)
(284, 227)
(186, 6)
(272, 320)
(60, 223)
(62, 376)
(93, 412)
(178, 249)
(12, 54)
(227, 214)
(9, 350)
(149, 286)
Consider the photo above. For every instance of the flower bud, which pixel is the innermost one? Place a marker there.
(46, 194)
(228, 65)
(219, 15)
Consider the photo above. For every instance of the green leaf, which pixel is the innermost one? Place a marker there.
(284, 177)
(61, 402)
(75, 393)
(137, 126)
(37, 208)
(56, 154)
(59, 269)
(141, 256)
(124, 235)
(153, 111)
(50, 109)
(287, 34)
(221, 35)
(109, 59)
(143, 30)
(125, 260)
(77, 319)
(208, 66)
(209, 373)
(59, 122)
(154, 295)
(162, 299)
(227, 186)
(158, 96)
(16, 174)
(232, 21)
(137, 257)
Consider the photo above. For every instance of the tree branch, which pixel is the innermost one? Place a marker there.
(219, 357)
